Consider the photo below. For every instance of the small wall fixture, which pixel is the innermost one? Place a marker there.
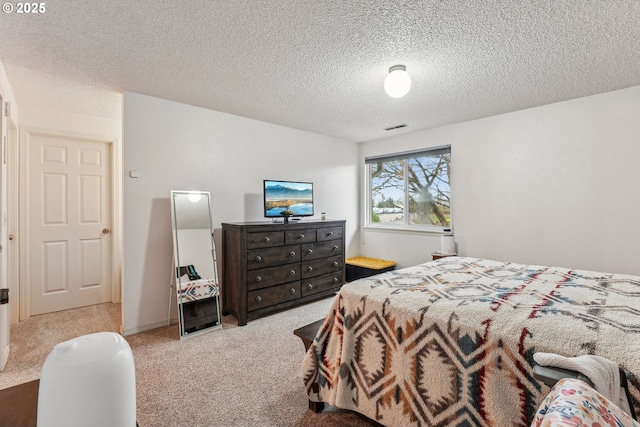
(398, 82)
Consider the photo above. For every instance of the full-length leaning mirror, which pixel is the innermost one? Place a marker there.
(195, 262)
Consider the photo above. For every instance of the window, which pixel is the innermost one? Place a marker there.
(409, 190)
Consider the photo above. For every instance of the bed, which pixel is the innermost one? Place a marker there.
(451, 342)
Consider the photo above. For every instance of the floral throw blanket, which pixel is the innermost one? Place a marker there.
(572, 402)
(450, 342)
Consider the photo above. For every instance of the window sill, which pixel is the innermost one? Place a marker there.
(407, 230)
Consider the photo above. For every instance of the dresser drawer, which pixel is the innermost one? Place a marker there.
(269, 257)
(265, 239)
(299, 236)
(329, 233)
(265, 277)
(321, 249)
(321, 266)
(321, 283)
(273, 295)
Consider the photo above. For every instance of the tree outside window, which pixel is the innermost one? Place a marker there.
(410, 189)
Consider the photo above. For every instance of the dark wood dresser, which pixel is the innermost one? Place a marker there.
(268, 267)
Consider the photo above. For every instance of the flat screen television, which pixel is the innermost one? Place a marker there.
(285, 199)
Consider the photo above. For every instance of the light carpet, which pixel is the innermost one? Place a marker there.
(234, 376)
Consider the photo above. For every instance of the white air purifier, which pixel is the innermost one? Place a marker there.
(88, 381)
(447, 244)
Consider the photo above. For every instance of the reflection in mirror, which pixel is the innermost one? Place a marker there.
(195, 262)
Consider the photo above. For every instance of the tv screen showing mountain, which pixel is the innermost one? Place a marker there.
(288, 198)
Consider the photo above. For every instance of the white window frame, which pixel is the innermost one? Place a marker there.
(406, 226)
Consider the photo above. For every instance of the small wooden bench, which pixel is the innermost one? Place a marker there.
(307, 333)
(359, 267)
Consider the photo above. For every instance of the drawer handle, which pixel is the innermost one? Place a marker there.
(292, 290)
(309, 251)
(310, 286)
(258, 298)
(258, 279)
(292, 272)
(330, 233)
(336, 264)
(336, 280)
(310, 268)
(258, 258)
(301, 236)
(335, 247)
(267, 239)
(292, 254)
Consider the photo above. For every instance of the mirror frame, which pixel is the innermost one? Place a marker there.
(206, 302)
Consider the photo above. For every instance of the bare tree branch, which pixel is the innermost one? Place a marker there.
(428, 199)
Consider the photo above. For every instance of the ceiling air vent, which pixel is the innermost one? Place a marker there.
(396, 127)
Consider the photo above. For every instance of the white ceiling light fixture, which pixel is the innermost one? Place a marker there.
(398, 82)
(194, 196)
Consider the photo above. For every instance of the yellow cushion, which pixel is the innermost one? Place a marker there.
(372, 263)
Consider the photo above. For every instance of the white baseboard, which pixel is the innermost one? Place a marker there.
(143, 328)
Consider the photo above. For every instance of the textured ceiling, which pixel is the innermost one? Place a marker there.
(319, 65)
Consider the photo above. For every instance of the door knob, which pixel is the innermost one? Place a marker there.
(105, 231)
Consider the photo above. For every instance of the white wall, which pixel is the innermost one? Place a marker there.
(181, 147)
(69, 122)
(554, 185)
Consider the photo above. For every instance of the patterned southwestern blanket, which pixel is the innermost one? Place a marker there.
(451, 342)
(193, 290)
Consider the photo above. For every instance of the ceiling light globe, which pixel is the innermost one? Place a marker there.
(194, 196)
(398, 82)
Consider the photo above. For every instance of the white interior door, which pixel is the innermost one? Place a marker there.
(69, 243)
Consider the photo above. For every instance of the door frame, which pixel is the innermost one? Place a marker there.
(13, 211)
(116, 210)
